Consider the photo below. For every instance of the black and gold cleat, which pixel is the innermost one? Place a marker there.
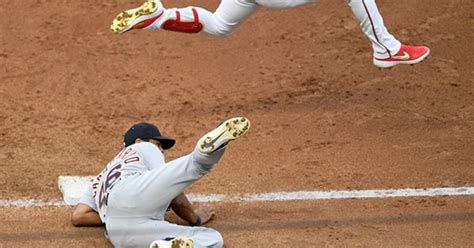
(137, 18)
(227, 131)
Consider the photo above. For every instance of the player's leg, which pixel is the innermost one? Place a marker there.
(177, 175)
(151, 192)
(200, 237)
(371, 23)
(231, 13)
(141, 232)
(388, 51)
(153, 16)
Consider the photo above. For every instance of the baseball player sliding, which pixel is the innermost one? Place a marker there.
(131, 195)
(388, 51)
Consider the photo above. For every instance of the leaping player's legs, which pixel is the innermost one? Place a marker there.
(153, 16)
(388, 51)
(228, 16)
(371, 23)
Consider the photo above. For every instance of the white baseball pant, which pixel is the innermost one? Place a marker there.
(136, 205)
(231, 13)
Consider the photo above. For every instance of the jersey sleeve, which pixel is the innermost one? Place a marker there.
(151, 155)
(87, 198)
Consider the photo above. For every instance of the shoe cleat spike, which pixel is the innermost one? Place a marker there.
(223, 134)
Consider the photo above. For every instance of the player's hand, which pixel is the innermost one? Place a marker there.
(206, 212)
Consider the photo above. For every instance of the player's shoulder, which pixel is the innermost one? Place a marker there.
(145, 147)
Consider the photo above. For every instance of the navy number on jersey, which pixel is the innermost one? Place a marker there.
(109, 181)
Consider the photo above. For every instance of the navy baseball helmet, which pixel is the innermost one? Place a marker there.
(146, 131)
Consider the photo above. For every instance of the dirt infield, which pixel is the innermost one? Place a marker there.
(323, 117)
(437, 222)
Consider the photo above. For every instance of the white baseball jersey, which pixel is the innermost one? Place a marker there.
(132, 160)
(135, 189)
(231, 13)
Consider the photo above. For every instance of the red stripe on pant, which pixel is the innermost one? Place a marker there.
(373, 28)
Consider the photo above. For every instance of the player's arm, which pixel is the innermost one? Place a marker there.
(183, 208)
(84, 215)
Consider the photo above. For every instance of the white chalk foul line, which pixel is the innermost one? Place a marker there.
(281, 196)
(28, 203)
(334, 195)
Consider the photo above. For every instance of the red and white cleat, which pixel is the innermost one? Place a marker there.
(137, 18)
(407, 55)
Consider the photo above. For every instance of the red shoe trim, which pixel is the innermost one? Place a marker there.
(146, 23)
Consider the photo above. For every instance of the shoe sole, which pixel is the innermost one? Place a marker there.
(225, 132)
(176, 243)
(388, 64)
(129, 18)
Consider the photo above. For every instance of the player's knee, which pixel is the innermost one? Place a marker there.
(220, 28)
(212, 238)
(219, 241)
(223, 31)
